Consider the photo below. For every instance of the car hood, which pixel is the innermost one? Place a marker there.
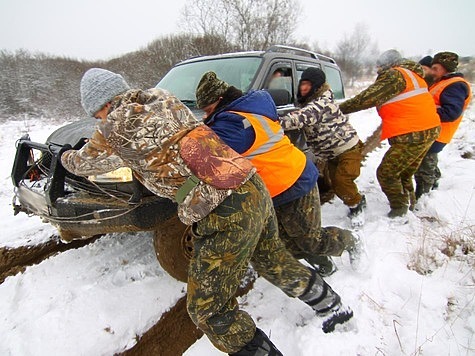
(73, 133)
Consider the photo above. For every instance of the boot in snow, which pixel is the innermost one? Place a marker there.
(324, 265)
(356, 213)
(260, 345)
(357, 253)
(326, 303)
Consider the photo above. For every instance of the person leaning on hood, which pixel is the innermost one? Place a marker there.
(409, 122)
(233, 222)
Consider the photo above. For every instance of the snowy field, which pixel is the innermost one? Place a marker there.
(96, 299)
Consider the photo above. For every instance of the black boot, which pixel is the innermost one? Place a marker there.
(324, 265)
(358, 208)
(260, 345)
(326, 303)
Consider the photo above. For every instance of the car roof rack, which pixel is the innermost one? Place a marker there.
(300, 52)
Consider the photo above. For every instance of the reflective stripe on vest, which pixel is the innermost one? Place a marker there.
(273, 137)
(277, 160)
(412, 110)
(409, 94)
(449, 127)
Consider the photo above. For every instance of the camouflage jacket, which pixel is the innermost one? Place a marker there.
(327, 130)
(144, 131)
(388, 84)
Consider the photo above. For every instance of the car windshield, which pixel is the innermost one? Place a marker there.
(182, 80)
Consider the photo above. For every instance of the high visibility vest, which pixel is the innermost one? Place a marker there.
(412, 110)
(448, 128)
(277, 160)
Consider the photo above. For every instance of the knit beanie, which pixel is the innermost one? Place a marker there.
(389, 59)
(98, 87)
(448, 60)
(209, 89)
(316, 76)
(426, 61)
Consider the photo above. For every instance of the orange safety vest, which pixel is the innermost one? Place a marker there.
(277, 160)
(448, 128)
(412, 110)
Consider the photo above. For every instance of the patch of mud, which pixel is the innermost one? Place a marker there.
(15, 260)
(172, 335)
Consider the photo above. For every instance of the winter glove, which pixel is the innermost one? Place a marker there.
(63, 149)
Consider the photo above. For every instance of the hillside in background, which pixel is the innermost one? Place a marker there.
(39, 85)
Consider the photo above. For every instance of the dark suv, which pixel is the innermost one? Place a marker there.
(83, 207)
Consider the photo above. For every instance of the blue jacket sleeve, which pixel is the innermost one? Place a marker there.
(452, 100)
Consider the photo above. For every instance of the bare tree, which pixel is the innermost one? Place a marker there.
(351, 52)
(249, 24)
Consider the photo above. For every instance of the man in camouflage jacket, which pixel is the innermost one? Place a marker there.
(330, 136)
(409, 147)
(175, 156)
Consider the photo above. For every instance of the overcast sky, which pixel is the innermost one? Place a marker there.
(103, 29)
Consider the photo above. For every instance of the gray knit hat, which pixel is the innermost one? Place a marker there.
(389, 59)
(209, 89)
(98, 87)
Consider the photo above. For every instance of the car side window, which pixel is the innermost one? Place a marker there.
(279, 80)
(335, 81)
(333, 76)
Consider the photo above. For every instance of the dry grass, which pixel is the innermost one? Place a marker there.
(436, 247)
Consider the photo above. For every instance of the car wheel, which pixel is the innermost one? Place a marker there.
(173, 245)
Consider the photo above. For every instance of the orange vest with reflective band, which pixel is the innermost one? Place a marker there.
(449, 128)
(277, 160)
(412, 110)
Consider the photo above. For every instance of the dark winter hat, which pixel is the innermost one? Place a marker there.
(98, 87)
(316, 76)
(448, 60)
(389, 58)
(426, 61)
(209, 89)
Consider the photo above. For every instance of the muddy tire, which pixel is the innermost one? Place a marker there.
(174, 247)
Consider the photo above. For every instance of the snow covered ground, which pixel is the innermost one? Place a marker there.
(96, 299)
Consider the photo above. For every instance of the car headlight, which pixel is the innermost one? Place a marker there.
(123, 174)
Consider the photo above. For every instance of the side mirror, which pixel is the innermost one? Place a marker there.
(280, 96)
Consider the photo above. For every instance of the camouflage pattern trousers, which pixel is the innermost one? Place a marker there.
(241, 230)
(343, 171)
(428, 174)
(300, 228)
(400, 163)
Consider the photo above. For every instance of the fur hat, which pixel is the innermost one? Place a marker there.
(389, 59)
(98, 87)
(316, 76)
(426, 61)
(209, 89)
(448, 60)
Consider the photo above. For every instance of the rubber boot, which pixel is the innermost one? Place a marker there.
(260, 345)
(326, 303)
(324, 265)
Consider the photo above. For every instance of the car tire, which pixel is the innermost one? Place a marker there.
(173, 245)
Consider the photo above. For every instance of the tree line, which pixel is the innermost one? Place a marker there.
(43, 85)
